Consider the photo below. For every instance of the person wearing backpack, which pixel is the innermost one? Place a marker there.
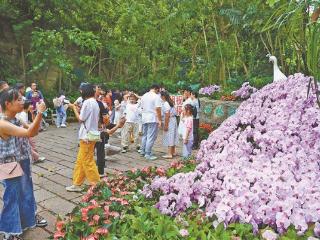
(196, 118)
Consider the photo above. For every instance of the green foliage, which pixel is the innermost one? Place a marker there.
(131, 44)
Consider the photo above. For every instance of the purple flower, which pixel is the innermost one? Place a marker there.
(184, 232)
(269, 235)
(209, 90)
(261, 166)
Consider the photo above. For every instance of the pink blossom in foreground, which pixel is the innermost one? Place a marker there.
(261, 166)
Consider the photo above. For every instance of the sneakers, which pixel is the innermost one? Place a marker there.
(74, 188)
(102, 175)
(151, 158)
(138, 148)
(11, 237)
(41, 159)
(124, 150)
(40, 221)
(63, 126)
(167, 156)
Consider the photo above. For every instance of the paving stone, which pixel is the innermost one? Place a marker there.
(42, 195)
(36, 234)
(58, 205)
(38, 169)
(62, 180)
(65, 172)
(51, 219)
(59, 190)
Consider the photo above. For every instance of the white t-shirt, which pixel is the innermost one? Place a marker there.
(131, 113)
(164, 109)
(149, 102)
(89, 115)
(187, 101)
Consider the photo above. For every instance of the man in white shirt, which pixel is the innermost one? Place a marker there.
(151, 120)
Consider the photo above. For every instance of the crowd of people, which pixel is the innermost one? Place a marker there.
(100, 113)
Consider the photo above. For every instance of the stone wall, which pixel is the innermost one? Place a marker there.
(216, 111)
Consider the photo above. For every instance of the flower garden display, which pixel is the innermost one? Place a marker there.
(209, 90)
(245, 91)
(257, 177)
(261, 166)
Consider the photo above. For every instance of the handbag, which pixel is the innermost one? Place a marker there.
(10, 170)
(93, 136)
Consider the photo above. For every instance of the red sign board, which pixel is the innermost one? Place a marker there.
(178, 100)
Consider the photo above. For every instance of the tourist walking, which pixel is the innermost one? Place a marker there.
(151, 120)
(86, 167)
(61, 111)
(19, 209)
(170, 128)
(131, 127)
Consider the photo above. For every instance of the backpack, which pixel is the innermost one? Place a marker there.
(57, 103)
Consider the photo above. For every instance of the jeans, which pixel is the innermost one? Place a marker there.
(61, 116)
(101, 162)
(149, 136)
(19, 205)
(187, 149)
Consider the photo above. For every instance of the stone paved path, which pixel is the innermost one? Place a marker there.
(51, 177)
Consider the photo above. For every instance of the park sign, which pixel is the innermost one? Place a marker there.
(177, 100)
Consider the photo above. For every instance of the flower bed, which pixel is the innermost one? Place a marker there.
(261, 166)
(257, 177)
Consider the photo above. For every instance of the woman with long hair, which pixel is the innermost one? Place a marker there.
(170, 128)
(19, 209)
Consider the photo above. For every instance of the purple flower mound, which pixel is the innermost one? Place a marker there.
(245, 91)
(261, 166)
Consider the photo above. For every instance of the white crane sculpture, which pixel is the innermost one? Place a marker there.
(277, 74)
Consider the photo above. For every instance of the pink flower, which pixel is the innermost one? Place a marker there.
(59, 225)
(102, 231)
(161, 171)
(58, 235)
(84, 214)
(96, 218)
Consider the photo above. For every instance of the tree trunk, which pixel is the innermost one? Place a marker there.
(23, 65)
(238, 48)
(99, 67)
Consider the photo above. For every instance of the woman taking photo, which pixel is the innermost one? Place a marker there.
(19, 206)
